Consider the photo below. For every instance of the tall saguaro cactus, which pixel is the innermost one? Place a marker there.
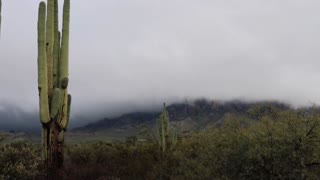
(168, 134)
(54, 100)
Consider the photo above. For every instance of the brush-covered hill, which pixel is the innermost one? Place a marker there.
(188, 116)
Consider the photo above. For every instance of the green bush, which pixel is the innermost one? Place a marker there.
(257, 145)
(284, 147)
(20, 160)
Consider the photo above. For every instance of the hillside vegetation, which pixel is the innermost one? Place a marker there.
(266, 142)
(200, 113)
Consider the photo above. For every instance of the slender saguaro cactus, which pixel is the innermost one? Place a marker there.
(168, 134)
(54, 100)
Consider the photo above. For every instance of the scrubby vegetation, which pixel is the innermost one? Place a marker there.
(267, 143)
(19, 160)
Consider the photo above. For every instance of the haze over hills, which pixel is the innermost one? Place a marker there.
(14, 118)
(187, 116)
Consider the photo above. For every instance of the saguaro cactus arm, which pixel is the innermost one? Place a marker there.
(64, 53)
(50, 44)
(42, 66)
(56, 47)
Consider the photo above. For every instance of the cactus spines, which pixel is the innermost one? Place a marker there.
(53, 80)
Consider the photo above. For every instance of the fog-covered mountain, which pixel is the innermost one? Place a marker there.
(187, 116)
(195, 115)
(14, 118)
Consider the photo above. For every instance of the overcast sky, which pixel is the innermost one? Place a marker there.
(144, 52)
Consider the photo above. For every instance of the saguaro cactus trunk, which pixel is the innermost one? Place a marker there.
(53, 80)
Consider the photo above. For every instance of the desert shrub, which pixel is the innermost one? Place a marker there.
(277, 145)
(266, 144)
(94, 160)
(3, 136)
(284, 146)
(19, 160)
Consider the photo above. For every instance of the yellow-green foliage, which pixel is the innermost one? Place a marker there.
(3, 136)
(284, 146)
(277, 145)
(20, 160)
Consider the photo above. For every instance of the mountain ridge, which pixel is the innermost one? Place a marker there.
(200, 113)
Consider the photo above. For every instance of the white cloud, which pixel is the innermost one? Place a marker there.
(151, 51)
